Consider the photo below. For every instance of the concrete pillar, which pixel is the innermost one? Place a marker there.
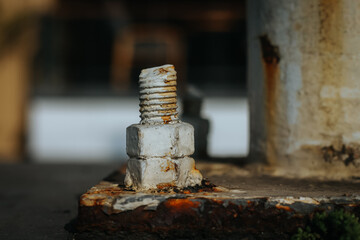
(304, 86)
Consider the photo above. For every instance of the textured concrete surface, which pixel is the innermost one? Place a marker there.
(303, 85)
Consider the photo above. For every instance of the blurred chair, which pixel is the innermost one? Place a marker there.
(146, 45)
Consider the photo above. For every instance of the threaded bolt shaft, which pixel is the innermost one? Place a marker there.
(158, 104)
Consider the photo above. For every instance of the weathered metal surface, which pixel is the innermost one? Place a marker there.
(161, 140)
(204, 211)
(303, 87)
(159, 147)
(153, 172)
(158, 95)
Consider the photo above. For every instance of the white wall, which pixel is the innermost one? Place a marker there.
(93, 129)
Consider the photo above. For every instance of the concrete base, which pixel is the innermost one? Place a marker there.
(252, 207)
(155, 173)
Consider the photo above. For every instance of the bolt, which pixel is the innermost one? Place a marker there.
(160, 146)
(158, 95)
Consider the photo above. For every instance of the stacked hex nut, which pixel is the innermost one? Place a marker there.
(159, 147)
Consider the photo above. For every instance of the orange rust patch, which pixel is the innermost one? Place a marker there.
(168, 94)
(168, 100)
(217, 201)
(165, 185)
(162, 71)
(168, 105)
(216, 189)
(169, 89)
(166, 119)
(286, 208)
(170, 166)
(172, 82)
(181, 204)
(88, 200)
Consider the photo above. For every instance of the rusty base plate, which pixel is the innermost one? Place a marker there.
(109, 211)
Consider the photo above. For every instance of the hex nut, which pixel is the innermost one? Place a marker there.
(155, 173)
(161, 140)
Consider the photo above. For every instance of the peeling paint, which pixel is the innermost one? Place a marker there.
(132, 201)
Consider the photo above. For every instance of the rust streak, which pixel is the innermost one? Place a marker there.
(168, 167)
(170, 82)
(271, 59)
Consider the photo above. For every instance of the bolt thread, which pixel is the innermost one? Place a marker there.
(158, 104)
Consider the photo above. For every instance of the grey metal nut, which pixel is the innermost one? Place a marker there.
(160, 140)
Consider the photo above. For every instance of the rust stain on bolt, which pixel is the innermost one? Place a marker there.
(166, 119)
(170, 82)
(170, 166)
(165, 70)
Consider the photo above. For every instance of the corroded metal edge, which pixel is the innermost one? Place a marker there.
(112, 208)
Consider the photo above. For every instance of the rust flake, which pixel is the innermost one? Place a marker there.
(162, 71)
(169, 166)
(282, 207)
(170, 82)
(165, 70)
(165, 185)
(166, 119)
(180, 205)
(220, 202)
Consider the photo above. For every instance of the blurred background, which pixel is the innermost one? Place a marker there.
(69, 71)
